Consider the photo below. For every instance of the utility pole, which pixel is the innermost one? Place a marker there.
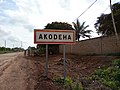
(113, 20)
(21, 44)
(5, 43)
(13, 45)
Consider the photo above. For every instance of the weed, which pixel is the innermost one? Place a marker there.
(69, 83)
(109, 76)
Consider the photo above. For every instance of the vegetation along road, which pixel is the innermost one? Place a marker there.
(19, 72)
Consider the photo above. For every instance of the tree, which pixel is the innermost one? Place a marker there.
(54, 48)
(104, 25)
(81, 30)
(59, 26)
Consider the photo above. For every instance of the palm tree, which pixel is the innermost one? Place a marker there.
(80, 30)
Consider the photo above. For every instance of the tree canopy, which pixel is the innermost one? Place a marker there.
(104, 23)
(81, 30)
(59, 26)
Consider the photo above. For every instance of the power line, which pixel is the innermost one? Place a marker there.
(108, 7)
(86, 9)
(92, 22)
(102, 12)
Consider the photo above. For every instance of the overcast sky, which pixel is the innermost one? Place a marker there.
(19, 18)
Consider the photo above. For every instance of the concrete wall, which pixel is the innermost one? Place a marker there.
(102, 45)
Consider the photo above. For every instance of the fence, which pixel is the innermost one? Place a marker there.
(101, 45)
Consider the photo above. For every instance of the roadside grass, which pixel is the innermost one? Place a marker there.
(109, 76)
(69, 83)
(3, 52)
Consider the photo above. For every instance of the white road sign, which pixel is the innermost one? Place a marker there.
(54, 36)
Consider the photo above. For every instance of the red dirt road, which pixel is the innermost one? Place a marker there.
(19, 72)
(13, 74)
(16, 72)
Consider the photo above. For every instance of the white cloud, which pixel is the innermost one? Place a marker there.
(20, 17)
(3, 33)
(65, 4)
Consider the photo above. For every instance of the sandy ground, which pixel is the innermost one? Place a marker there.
(19, 72)
(16, 72)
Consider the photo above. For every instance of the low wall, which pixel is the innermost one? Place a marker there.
(101, 45)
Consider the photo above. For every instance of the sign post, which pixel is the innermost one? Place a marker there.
(54, 37)
(64, 62)
(46, 64)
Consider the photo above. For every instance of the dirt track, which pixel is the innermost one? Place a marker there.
(18, 72)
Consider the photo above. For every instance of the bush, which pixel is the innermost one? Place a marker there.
(77, 86)
(116, 63)
(59, 80)
(69, 84)
(111, 84)
(109, 76)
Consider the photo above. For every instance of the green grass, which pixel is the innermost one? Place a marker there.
(3, 52)
(69, 83)
(109, 76)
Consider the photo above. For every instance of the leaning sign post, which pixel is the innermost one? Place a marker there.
(48, 36)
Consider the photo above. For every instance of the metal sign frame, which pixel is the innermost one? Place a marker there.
(53, 41)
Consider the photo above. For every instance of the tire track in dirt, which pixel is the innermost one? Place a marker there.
(4, 66)
(5, 61)
(12, 77)
(20, 73)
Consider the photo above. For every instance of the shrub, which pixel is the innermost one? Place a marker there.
(109, 76)
(59, 80)
(69, 84)
(116, 63)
